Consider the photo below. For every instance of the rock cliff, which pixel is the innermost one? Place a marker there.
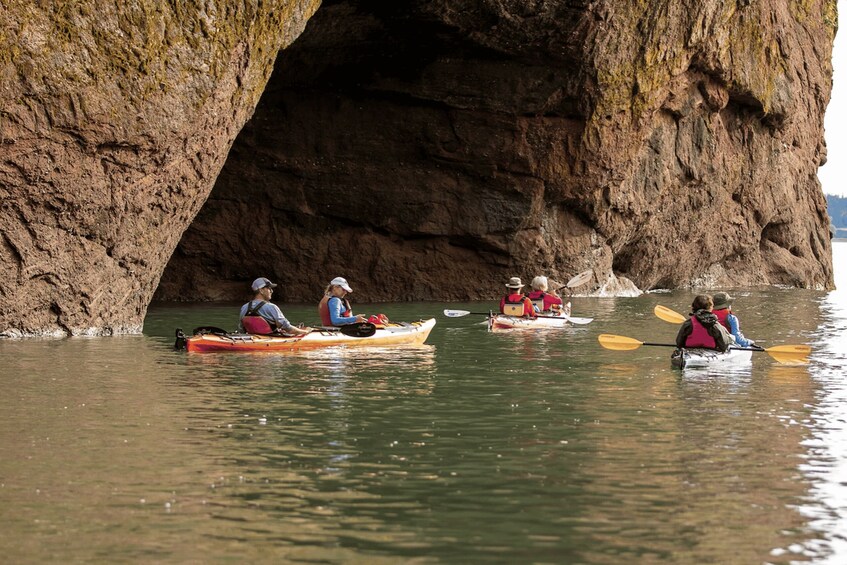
(115, 119)
(426, 150)
(434, 150)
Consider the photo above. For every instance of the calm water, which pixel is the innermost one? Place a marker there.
(525, 447)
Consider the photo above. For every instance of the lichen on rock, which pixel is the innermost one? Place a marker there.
(429, 150)
(434, 151)
(115, 121)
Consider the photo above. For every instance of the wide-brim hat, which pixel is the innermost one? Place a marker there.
(722, 300)
(514, 282)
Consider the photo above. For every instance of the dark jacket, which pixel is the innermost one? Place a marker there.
(723, 340)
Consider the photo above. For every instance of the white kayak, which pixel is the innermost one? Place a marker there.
(685, 358)
(541, 322)
(504, 322)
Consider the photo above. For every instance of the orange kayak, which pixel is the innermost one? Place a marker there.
(392, 334)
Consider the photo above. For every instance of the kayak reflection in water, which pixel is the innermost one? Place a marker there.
(723, 310)
(334, 308)
(702, 328)
(260, 316)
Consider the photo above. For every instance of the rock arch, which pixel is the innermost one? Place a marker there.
(426, 149)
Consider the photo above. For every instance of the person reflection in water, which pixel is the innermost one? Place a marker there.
(260, 316)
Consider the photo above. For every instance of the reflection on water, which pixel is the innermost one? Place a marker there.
(509, 447)
(826, 449)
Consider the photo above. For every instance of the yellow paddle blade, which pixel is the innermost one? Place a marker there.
(790, 354)
(668, 315)
(618, 342)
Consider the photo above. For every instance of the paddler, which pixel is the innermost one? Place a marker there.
(515, 303)
(260, 316)
(546, 302)
(702, 328)
(334, 308)
(723, 310)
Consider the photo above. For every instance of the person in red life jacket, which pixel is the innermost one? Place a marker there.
(544, 301)
(334, 308)
(723, 310)
(515, 303)
(702, 328)
(260, 316)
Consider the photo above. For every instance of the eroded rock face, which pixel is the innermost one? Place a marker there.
(432, 150)
(115, 119)
(426, 150)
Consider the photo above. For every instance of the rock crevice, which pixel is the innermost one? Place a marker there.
(426, 150)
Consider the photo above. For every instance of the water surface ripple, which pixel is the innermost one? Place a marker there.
(512, 447)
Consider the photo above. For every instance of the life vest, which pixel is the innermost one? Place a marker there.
(699, 336)
(723, 317)
(323, 309)
(512, 307)
(253, 323)
(537, 298)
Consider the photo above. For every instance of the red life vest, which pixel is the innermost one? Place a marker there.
(699, 336)
(323, 310)
(544, 301)
(516, 305)
(537, 297)
(253, 323)
(722, 317)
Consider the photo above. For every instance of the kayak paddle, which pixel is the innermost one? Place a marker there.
(668, 315)
(360, 329)
(787, 354)
(578, 280)
(571, 319)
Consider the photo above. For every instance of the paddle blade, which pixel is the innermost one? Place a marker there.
(618, 342)
(363, 329)
(456, 313)
(790, 354)
(580, 279)
(579, 321)
(668, 315)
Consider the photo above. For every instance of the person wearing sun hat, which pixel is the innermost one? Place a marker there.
(723, 310)
(260, 316)
(334, 309)
(515, 303)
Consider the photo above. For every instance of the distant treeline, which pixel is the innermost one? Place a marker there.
(837, 210)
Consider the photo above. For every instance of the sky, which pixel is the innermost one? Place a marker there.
(833, 175)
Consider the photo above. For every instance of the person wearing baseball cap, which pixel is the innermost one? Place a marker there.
(260, 316)
(515, 303)
(723, 310)
(334, 308)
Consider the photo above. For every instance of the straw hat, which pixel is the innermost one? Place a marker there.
(515, 282)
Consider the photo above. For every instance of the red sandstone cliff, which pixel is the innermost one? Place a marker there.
(423, 149)
(433, 151)
(115, 119)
